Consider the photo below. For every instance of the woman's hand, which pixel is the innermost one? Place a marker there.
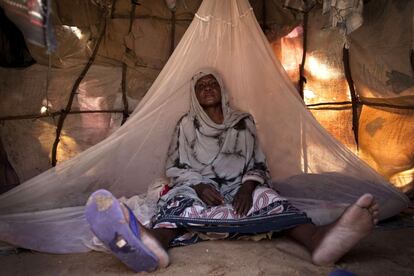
(208, 194)
(243, 200)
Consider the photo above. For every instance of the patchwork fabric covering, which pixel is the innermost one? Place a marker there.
(33, 19)
(379, 62)
(46, 212)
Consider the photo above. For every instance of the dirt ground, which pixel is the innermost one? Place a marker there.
(388, 251)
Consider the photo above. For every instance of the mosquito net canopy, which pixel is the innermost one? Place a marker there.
(316, 172)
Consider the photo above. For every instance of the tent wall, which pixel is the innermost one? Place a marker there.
(383, 80)
(381, 53)
(387, 143)
(8, 176)
(380, 66)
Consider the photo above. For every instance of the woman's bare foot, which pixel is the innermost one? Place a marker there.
(355, 223)
(150, 241)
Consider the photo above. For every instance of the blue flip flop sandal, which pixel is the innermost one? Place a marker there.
(107, 221)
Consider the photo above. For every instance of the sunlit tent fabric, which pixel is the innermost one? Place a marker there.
(382, 75)
(46, 212)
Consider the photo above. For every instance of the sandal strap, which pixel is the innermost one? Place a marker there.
(133, 222)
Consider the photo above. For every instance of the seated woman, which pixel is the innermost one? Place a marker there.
(220, 188)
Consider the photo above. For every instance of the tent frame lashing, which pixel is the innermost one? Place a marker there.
(58, 113)
(172, 39)
(323, 105)
(302, 78)
(125, 113)
(354, 97)
(64, 112)
(154, 17)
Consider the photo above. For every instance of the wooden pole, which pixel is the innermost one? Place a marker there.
(64, 112)
(172, 39)
(354, 97)
(302, 78)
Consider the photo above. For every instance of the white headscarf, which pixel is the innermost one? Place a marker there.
(208, 126)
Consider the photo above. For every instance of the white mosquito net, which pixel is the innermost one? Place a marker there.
(317, 173)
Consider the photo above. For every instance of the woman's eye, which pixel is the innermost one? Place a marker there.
(209, 84)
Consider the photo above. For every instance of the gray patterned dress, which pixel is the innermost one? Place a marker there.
(223, 156)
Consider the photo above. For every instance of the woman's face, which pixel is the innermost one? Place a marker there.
(208, 91)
